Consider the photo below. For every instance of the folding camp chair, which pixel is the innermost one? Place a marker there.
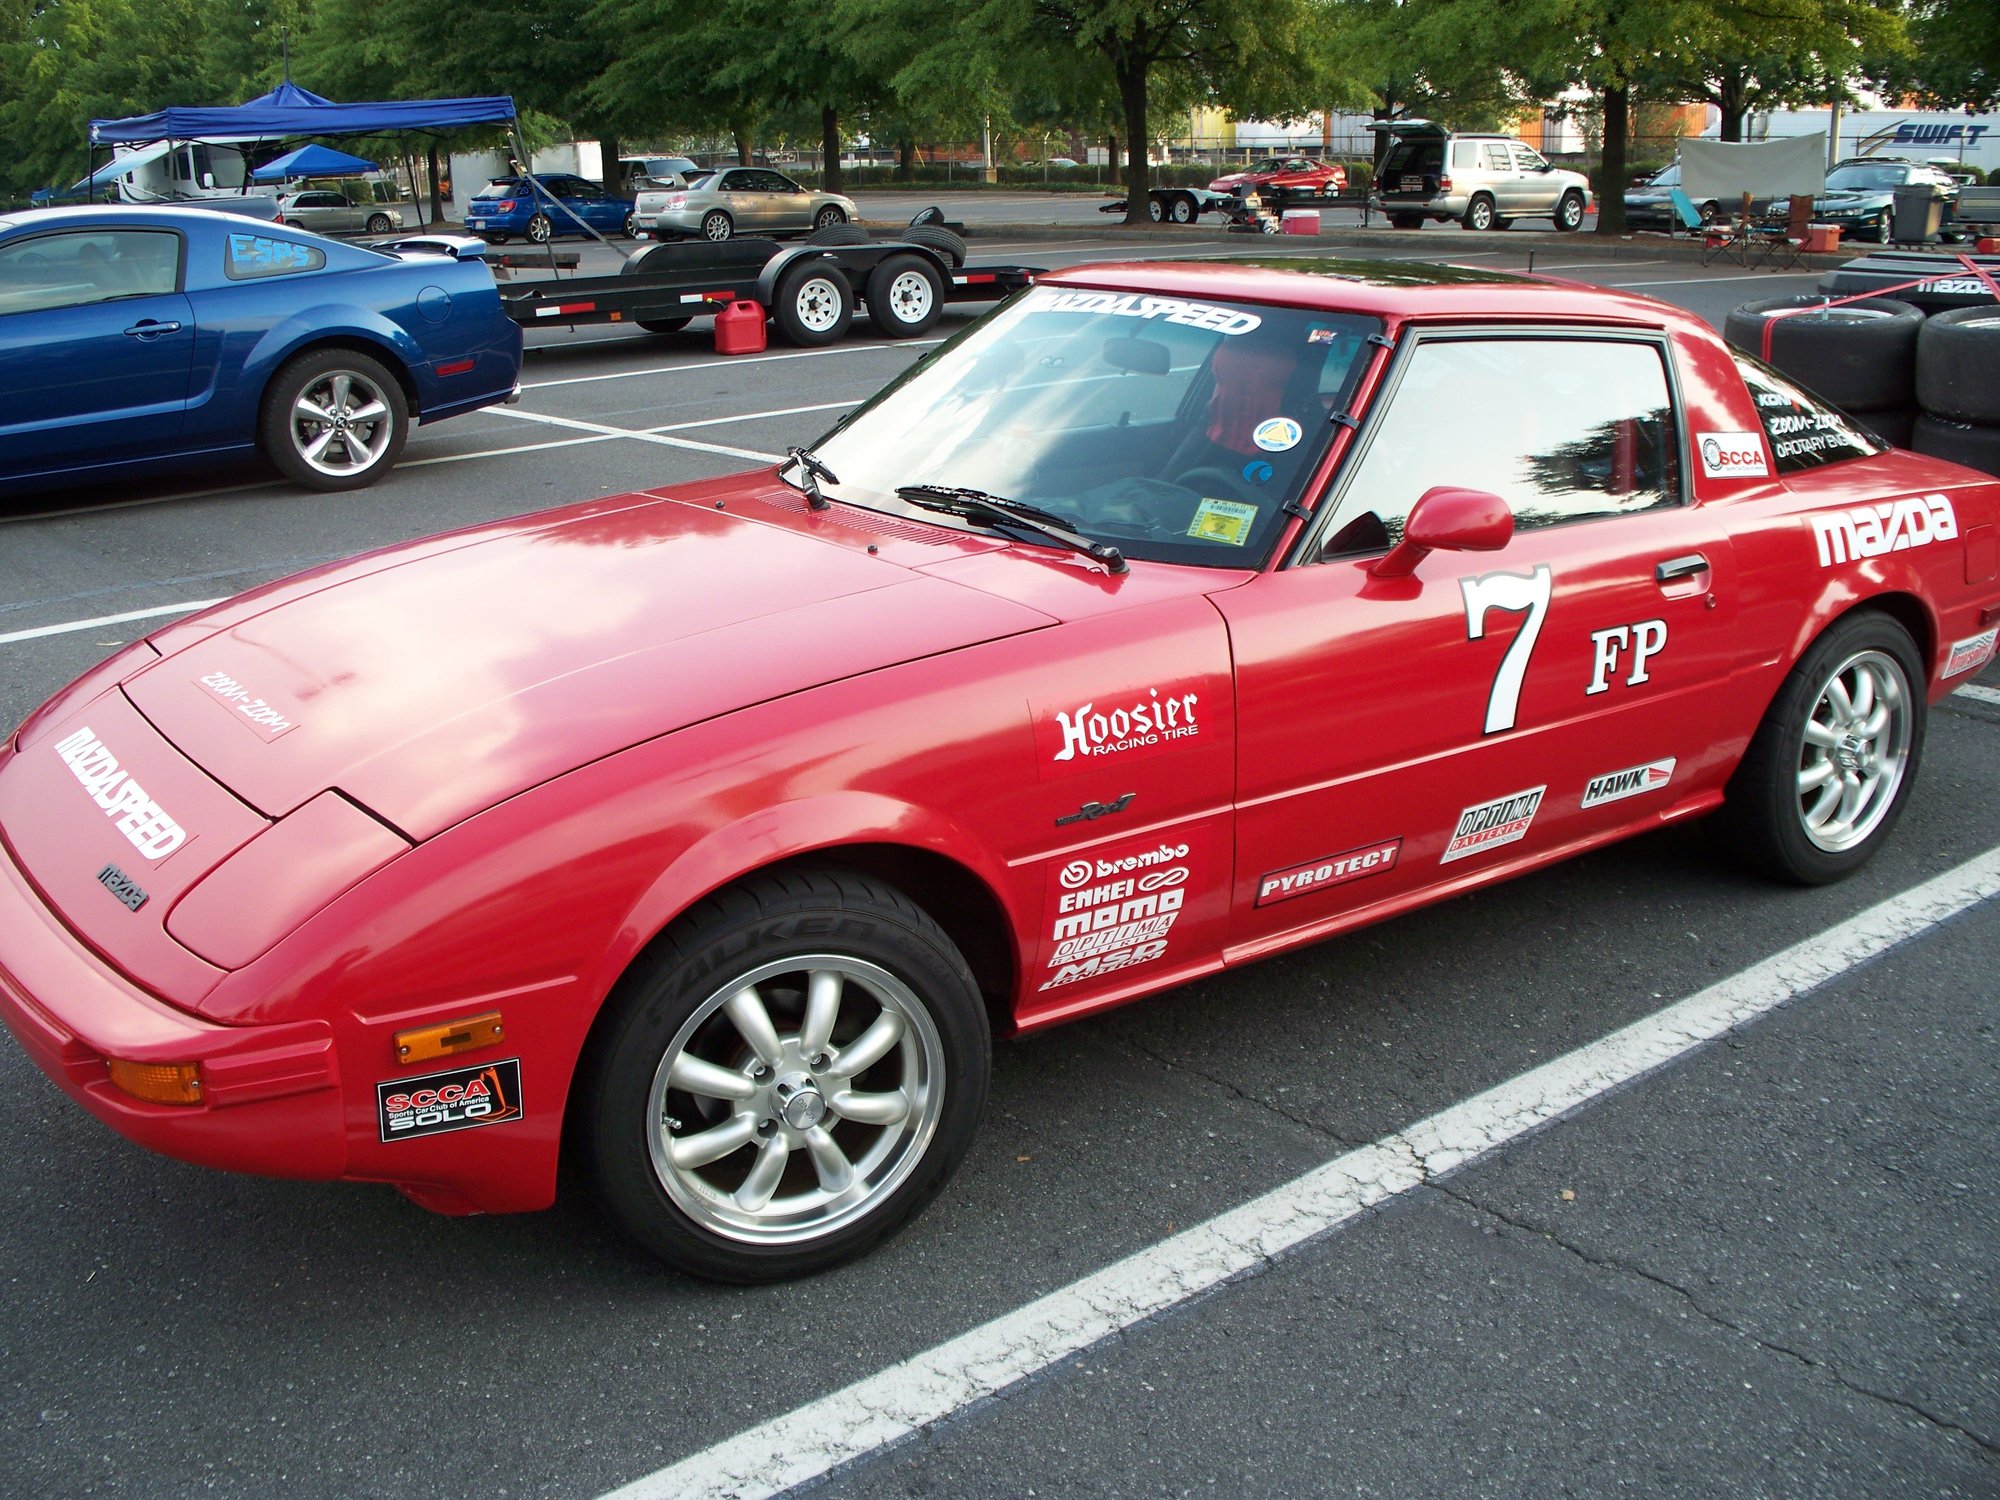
(1719, 240)
(1781, 246)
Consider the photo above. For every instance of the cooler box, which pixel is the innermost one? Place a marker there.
(1300, 221)
(1822, 239)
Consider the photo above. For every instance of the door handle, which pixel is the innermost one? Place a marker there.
(147, 328)
(1680, 567)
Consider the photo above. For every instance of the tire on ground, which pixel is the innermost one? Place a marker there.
(1960, 442)
(287, 436)
(664, 325)
(1893, 427)
(842, 233)
(813, 304)
(1860, 356)
(945, 241)
(1958, 365)
(905, 296)
(1406, 221)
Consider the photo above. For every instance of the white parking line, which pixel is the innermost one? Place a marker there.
(1608, 265)
(134, 614)
(1705, 280)
(757, 416)
(722, 364)
(612, 434)
(883, 1409)
(1979, 694)
(637, 435)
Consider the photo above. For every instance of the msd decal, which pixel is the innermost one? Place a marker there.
(1732, 455)
(1976, 651)
(1335, 869)
(1891, 526)
(1488, 825)
(438, 1102)
(142, 820)
(1146, 722)
(1618, 785)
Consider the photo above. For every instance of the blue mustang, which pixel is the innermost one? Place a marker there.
(140, 339)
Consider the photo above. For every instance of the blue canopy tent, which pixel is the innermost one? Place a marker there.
(289, 111)
(312, 161)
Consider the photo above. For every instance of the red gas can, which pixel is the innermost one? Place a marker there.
(739, 328)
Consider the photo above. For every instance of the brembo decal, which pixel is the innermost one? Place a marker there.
(485, 1094)
(1114, 911)
(143, 821)
(1335, 869)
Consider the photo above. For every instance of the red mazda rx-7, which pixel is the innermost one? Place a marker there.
(1170, 617)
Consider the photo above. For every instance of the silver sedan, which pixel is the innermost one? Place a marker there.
(738, 200)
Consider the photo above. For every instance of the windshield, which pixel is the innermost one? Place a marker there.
(1864, 179)
(1175, 429)
(1668, 177)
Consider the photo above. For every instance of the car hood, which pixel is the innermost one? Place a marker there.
(1870, 198)
(429, 682)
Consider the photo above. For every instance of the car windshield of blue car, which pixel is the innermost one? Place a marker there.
(1177, 429)
(1864, 179)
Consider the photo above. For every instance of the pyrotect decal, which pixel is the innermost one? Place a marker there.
(1277, 434)
(142, 820)
(1618, 785)
(1335, 869)
(1732, 455)
(1224, 320)
(485, 1094)
(1975, 651)
(1646, 640)
(1890, 526)
(123, 886)
(1225, 521)
(1488, 825)
(1151, 720)
(244, 706)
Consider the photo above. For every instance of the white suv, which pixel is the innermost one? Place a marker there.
(1483, 181)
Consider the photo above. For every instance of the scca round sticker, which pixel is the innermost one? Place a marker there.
(1276, 434)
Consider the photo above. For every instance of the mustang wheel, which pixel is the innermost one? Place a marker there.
(813, 305)
(539, 229)
(378, 224)
(905, 296)
(334, 420)
(1826, 776)
(717, 226)
(792, 1074)
(828, 215)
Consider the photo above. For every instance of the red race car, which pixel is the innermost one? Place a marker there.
(1170, 617)
(1295, 179)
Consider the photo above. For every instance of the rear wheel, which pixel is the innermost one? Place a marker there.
(1479, 213)
(1569, 213)
(1155, 209)
(1182, 209)
(334, 420)
(539, 229)
(1406, 221)
(716, 225)
(663, 325)
(813, 305)
(905, 296)
(789, 1076)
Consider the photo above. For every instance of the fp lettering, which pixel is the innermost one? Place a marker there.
(1644, 640)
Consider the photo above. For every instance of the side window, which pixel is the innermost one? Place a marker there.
(1526, 160)
(251, 257)
(1462, 153)
(1563, 430)
(1494, 157)
(1805, 432)
(77, 269)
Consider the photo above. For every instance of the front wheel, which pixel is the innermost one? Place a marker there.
(632, 227)
(717, 226)
(378, 224)
(1828, 772)
(828, 215)
(540, 229)
(334, 420)
(1569, 213)
(787, 1079)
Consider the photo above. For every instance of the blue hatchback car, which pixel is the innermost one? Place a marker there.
(139, 339)
(559, 204)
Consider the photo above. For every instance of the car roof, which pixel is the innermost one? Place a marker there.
(106, 215)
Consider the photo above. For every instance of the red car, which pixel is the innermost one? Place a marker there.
(1170, 617)
(1294, 178)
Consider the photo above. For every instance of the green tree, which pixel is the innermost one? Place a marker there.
(1954, 59)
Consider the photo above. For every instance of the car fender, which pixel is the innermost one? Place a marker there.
(340, 323)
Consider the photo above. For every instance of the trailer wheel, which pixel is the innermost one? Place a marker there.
(814, 305)
(1155, 209)
(1182, 210)
(663, 325)
(716, 225)
(905, 296)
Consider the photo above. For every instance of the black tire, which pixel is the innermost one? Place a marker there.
(287, 436)
(540, 230)
(1882, 228)
(927, 216)
(379, 224)
(1155, 209)
(813, 304)
(1406, 221)
(1958, 365)
(1181, 209)
(771, 934)
(1861, 357)
(839, 234)
(1569, 213)
(945, 241)
(828, 216)
(717, 225)
(1709, 211)
(1893, 427)
(1500, 223)
(1766, 820)
(1479, 213)
(631, 228)
(663, 325)
(905, 296)
(1960, 442)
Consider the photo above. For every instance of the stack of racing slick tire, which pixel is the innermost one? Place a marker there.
(1860, 356)
(1958, 388)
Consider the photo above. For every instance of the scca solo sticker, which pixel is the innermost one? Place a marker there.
(486, 1095)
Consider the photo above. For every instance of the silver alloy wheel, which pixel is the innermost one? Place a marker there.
(540, 229)
(834, 1114)
(1569, 214)
(818, 303)
(1482, 213)
(1856, 748)
(909, 297)
(342, 423)
(716, 227)
(829, 215)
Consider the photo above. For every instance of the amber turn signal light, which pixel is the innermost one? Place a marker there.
(422, 1043)
(158, 1083)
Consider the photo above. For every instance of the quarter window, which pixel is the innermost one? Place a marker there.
(252, 257)
(1805, 432)
(79, 268)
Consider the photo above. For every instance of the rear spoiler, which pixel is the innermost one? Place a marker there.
(452, 246)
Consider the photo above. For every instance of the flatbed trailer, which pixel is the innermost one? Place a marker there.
(810, 290)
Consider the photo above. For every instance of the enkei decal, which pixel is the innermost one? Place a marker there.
(1335, 869)
(244, 706)
(1976, 651)
(1732, 455)
(1150, 721)
(1890, 526)
(1277, 434)
(486, 1094)
(1645, 640)
(1509, 593)
(1488, 825)
(1225, 521)
(1616, 786)
(1114, 912)
(143, 821)
(1222, 320)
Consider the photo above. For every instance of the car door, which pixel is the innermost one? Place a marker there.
(1403, 734)
(96, 346)
(1539, 187)
(1496, 167)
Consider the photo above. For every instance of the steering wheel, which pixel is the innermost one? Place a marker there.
(1231, 484)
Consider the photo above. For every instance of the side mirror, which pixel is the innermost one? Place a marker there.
(1451, 520)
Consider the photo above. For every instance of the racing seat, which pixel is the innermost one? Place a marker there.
(1249, 383)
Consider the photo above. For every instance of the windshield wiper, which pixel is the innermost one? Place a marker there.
(990, 510)
(814, 472)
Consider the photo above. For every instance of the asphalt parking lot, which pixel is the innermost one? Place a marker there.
(1762, 1265)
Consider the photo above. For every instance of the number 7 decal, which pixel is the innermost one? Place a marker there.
(1507, 592)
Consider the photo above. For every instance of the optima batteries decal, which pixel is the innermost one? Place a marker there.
(1116, 908)
(484, 1095)
(1488, 825)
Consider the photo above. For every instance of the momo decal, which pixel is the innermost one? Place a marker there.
(1891, 526)
(1335, 869)
(1222, 320)
(143, 821)
(1488, 825)
(407, 1108)
(1110, 914)
(244, 706)
(1616, 786)
(1091, 730)
(1975, 651)
(1732, 455)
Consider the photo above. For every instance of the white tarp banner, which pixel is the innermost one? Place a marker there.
(1723, 171)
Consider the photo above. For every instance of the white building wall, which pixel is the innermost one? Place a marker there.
(1920, 135)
